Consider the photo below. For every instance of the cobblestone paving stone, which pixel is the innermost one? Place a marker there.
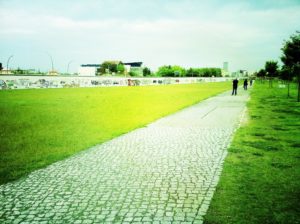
(164, 173)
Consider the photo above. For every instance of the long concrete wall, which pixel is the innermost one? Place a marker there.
(31, 82)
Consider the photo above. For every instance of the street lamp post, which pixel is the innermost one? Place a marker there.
(52, 66)
(10, 57)
(69, 66)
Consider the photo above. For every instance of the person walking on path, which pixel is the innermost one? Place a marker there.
(234, 86)
(245, 84)
(251, 81)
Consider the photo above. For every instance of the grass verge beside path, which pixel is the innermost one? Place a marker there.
(260, 182)
(41, 126)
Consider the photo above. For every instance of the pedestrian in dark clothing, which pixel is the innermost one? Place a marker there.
(245, 84)
(251, 81)
(234, 86)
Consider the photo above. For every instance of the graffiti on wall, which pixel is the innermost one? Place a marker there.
(27, 82)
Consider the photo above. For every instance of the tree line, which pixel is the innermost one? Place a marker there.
(117, 67)
(290, 70)
(177, 71)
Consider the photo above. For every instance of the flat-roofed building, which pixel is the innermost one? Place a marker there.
(88, 69)
(134, 67)
(225, 70)
(91, 69)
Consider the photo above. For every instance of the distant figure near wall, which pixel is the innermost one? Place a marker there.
(234, 86)
(245, 84)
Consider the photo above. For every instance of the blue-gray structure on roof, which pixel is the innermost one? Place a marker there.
(91, 65)
(134, 64)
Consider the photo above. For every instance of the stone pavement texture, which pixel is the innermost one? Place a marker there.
(164, 173)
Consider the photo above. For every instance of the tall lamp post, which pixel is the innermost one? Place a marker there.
(10, 57)
(52, 66)
(69, 66)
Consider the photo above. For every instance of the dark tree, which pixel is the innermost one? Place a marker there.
(111, 67)
(146, 71)
(291, 57)
(285, 74)
(189, 73)
(261, 74)
(271, 68)
(104, 67)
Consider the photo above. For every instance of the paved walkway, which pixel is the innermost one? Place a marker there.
(164, 173)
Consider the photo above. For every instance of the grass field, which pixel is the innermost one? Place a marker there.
(39, 127)
(260, 182)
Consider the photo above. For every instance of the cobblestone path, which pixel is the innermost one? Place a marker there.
(164, 173)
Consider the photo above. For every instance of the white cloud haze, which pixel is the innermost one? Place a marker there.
(157, 32)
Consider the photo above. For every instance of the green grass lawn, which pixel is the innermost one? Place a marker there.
(260, 182)
(39, 127)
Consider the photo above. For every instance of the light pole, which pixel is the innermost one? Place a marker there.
(10, 57)
(69, 66)
(51, 61)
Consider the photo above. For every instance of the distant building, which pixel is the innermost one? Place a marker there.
(88, 69)
(134, 67)
(244, 73)
(134, 64)
(225, 70)
(240, 74)
(5, 71)
(130, 67)
(225, 66)
(53, 73)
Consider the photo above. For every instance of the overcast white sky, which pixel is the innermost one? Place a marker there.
(189, 33)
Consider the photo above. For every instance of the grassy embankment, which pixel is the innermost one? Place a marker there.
(39, 127)
(260, 182)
